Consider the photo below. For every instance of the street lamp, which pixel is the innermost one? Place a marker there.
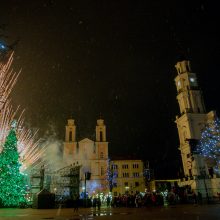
(87, 177)
(203, 175)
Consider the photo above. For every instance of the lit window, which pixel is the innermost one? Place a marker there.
(135, 174)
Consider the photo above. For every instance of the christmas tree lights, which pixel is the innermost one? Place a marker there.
(111, 175)
(12, 182)
(209, 144)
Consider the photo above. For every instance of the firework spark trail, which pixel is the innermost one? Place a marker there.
(8, 78)
(29, 149)
(6, 117)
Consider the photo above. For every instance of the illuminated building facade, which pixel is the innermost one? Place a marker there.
(128, 176)
(190, 122)
(91, 155)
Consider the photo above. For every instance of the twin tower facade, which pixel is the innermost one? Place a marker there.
(90, 155)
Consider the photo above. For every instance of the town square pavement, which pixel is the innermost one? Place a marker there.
(178, 212)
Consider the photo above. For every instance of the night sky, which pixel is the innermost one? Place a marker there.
(114, 58)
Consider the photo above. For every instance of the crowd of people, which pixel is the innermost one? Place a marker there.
(172, 197)
(137, 200)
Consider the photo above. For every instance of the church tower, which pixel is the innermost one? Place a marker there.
(70, 144)
(101, 144)
(191, 120)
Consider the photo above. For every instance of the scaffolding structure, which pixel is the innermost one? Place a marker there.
(64, 182)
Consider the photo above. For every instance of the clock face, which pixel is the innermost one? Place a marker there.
(178, 84)
(192, 79)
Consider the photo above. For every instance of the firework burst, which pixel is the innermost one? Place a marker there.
(29, 150)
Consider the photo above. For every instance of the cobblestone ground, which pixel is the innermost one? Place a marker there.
(180, 212)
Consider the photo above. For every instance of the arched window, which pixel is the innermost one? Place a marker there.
(101, 136)
(70, 136)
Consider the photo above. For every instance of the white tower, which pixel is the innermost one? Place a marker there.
(192, 119)
(101, 144)
(70, 144)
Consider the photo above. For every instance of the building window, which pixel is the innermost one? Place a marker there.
(126, 183)
(101, 155)
(70, 136)
(77, 148)
(190, 172)
(101, 136)
(114, 166)
(125, 174)
(135, 165)
(102, 171)
(136, 184)
(135, 174)
(125, 166)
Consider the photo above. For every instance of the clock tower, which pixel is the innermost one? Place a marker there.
(191, 120)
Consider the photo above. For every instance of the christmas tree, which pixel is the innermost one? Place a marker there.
(209, 144)
(12, 184)
(111, 175)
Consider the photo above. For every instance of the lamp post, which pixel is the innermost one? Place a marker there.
(87, 177)
(203, 175)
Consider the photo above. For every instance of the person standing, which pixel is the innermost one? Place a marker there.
(76, 203)
(99, 203)
(108, 201)
(194, 196)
